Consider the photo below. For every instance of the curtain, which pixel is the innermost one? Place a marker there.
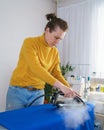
(83, 45)
(97, 36)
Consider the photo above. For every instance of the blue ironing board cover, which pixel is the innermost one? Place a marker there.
(42, 117)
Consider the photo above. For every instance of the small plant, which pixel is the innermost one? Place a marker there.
(66, 68)
(48, 91)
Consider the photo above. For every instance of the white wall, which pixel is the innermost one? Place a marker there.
(18, 19)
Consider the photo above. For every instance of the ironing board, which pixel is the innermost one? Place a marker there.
(42, 117)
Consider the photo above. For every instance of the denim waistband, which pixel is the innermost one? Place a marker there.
(28, 87)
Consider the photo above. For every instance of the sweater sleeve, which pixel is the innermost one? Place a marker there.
(31, 56)
(57, 72)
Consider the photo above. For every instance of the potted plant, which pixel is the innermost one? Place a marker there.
(66, 68)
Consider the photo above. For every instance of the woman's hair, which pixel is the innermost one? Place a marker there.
(55, 22)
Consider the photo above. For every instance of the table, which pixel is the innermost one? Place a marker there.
(42, 117)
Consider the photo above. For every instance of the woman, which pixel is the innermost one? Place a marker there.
(38, 64)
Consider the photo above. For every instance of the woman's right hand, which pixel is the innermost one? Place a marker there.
(67, 90)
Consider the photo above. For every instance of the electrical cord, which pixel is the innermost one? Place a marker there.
(35, 100)
(38, 98)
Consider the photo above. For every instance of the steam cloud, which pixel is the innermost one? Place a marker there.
(74, 117)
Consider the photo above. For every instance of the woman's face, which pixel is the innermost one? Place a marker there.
(54, 37)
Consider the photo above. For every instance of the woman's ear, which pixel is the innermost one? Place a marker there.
(47, 30)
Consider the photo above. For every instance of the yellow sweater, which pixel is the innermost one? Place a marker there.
(38, 64)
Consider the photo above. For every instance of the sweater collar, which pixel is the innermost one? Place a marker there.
(42, 37)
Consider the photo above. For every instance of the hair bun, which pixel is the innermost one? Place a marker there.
(51, 16)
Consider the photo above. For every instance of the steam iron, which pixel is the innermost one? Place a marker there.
(59, 100)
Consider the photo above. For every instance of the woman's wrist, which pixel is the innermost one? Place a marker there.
(58, 85)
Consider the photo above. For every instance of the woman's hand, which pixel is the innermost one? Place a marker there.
(68, 91)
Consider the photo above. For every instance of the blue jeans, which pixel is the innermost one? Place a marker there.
(18, 97)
